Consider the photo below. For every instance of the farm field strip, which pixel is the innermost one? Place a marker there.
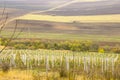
(63, 36)
(69, 19)
(51, 9)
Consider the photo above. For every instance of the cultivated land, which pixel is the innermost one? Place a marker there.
(61, 20)
(59, 30)
(82, 19)
(42, 64)
(62, 36)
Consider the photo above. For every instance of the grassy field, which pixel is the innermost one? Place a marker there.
(63, 36)
(84, 19)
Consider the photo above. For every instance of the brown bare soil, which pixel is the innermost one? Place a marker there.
(71, 28)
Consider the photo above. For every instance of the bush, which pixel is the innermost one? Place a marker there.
(20, 46)
(116, 50)
(107, 48)
(94, 47)
(101, 50)
(3, 41)
(73, 45)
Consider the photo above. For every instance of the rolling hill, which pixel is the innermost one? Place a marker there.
(67, 16)
(67, 7)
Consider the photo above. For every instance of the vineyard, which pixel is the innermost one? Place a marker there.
(68, 64)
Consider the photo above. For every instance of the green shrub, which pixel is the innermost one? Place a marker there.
(20, 46)
(73, 45)
(3, 41)
(101, 50)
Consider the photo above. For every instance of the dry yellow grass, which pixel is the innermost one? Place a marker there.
(88, 19)
(16, 75)
(27, 75)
